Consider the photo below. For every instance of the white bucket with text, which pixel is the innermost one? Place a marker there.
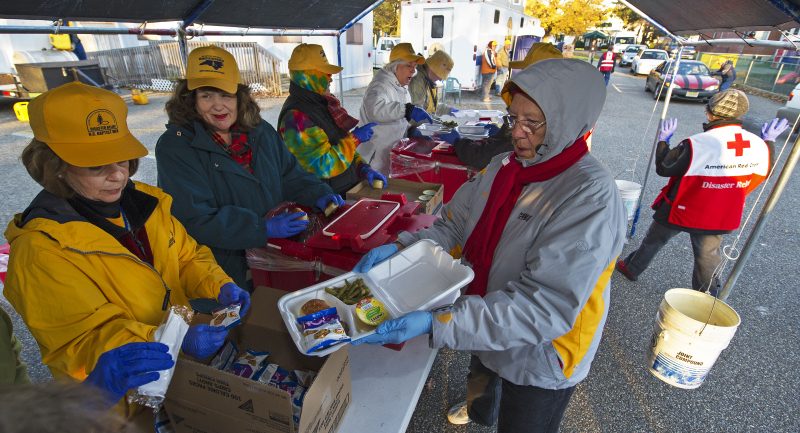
(692, 328)
(629, 192)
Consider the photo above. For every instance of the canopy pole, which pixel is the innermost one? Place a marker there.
(339, 59)
(766, 213)
(651, 160)
(183, 48)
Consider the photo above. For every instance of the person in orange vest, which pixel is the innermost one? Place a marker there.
(608, 61)
(710, 174)
(488, 69)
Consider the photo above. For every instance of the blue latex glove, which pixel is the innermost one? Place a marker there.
(375, 256)
(491, 127)
(419, 115)
(772, 129)
(202, 341)
(453, 110)
(323, 201)
(667, 129)
(230, 293)
(286, 225)
(451, 137)
(396, 331)
(364, 133)
(129, 366)
(372, 175)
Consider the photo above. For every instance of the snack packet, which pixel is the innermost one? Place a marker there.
(279, 377)
(171, 333)
(226, 317)
(298, 396)
(250, 364)
(305, 378)
(322, 330)
(225, 357)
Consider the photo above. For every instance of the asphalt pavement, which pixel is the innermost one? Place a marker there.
(754, 385)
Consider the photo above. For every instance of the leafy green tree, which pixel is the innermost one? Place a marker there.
(566, 17)
(387, 18)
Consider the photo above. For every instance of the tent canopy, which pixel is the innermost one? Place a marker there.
(695, 16)
(271, 14)
(594, 34)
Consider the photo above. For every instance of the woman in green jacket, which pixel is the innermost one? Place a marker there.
(226, 167)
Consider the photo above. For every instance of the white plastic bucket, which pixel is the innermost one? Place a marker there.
(691, 331)
(629, 191)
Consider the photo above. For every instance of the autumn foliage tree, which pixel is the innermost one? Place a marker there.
(566, 17)
(387, 18)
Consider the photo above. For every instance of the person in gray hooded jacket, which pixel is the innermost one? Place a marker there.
(541, 227)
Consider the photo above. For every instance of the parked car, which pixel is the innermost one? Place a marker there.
(694, 81)
(791, 110)
(646, 60)
(688, 52)
(630, 53)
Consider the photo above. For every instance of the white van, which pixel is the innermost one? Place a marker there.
(463, 28)
(380, 57)
(791, 110)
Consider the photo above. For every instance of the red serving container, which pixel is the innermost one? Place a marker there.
(421, 159)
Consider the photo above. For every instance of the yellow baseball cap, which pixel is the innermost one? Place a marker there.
(539, 51)
(405, 52)
(440, 64)
(84, 125)
(311, 57)
(212, 66)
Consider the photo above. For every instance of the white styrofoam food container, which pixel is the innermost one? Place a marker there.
(422, 276)
(428, 129)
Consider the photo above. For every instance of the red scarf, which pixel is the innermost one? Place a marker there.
(239, 149)
(340, 116)
(506, 188)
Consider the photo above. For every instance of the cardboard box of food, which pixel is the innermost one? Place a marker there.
(412, 190)
(202, 399)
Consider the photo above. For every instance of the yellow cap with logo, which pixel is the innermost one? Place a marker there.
(440, 64)
(84, 125)
(405, 52)
(538, 52)
(311, 57)
(212, 66)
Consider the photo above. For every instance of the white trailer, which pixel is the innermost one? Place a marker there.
(462, 28)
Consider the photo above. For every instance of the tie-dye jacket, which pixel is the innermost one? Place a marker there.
(308, 142)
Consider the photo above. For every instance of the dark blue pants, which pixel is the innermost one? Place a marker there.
(515, 408)
(606, 77)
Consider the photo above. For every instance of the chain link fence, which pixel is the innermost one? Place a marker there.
(769, 73)
(158, 65)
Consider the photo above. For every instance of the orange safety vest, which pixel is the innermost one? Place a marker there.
(486, 68)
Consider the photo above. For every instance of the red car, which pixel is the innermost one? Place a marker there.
(694, 81)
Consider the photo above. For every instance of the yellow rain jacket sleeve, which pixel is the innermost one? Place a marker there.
(82, 293)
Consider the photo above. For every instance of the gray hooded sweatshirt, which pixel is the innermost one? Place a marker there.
(547, 298)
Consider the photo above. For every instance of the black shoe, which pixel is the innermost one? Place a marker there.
(622, 268)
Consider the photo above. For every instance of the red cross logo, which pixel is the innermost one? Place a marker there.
(739, 145)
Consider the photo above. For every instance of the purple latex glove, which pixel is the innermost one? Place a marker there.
(230, 293)
(772, 129)
(450, 137)
(667, 129)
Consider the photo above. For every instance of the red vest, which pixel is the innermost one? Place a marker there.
(727, 163)
(607, 62)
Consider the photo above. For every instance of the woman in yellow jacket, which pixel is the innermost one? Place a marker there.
(97, 259)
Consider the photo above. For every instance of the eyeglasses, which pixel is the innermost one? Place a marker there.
(528, 126)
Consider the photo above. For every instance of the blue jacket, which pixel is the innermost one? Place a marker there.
(223, 205)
